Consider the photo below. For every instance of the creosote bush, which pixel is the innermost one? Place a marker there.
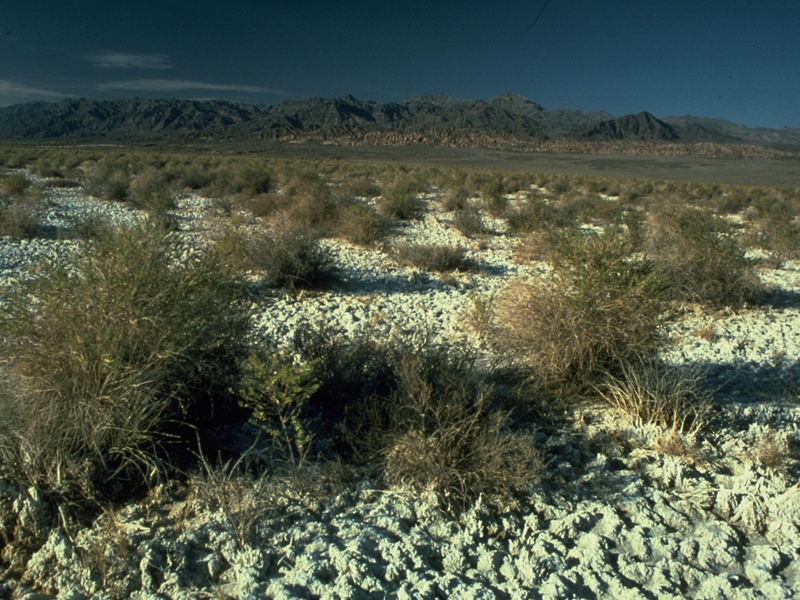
(401, 201)
(360, 224)
(600, 309)
(105, 355)
(433, 257)
(702, 260)
(285, 256)
(423, 412)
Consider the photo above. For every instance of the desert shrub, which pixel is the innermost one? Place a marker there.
(264, 205)
(290, 257)
(360, 224)
(652, 393)
(424, 413)
(493, 195)
(303, 180)
(151, 191)
(361, 187)
(702, 260)
(255, 179)
(196, 177)
(558, 184)
(781, 238)
(537, 214)
(455, 199)
(733, 201)
(106, 354)
(432, 257)
(469, 221)
(598, 310)
(45, 167)
(110, 180)
(401, 201)
(19, 217)
(17, 157)
(591, 208)
(232, 490)
(276, 389)
(14, 184)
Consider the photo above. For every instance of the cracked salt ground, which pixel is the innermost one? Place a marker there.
(641, 524)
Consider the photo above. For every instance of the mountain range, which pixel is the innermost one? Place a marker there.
(507, 121)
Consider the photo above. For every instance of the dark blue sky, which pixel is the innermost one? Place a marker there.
(731, 59)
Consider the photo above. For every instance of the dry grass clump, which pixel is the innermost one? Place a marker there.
(537, 214)
(773, 451)
(455, 199)
(229, 490)
(433, 257)
(492, 190)
(14, 184)
(651, 393)
(264, 205)
(599, 310)
(702, 259)
(361, 187)
(105, 354)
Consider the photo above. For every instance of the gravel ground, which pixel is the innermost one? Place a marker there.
(720, 521)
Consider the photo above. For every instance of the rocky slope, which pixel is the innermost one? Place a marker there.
(507, 121)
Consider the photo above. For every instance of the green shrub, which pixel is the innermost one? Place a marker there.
(106, 354)
(276, 389)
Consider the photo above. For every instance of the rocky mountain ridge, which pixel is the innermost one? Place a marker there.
(507, 121)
